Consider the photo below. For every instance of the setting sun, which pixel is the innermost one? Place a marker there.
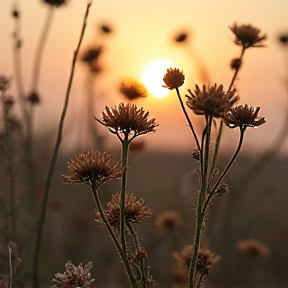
(152, 76)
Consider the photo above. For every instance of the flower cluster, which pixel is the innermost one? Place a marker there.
(93, 167)
(135, 211)
(127, 119)
(74, 277)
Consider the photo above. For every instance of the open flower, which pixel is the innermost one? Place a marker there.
(174, 78)
(93, 166)
(243, 117)
(74, 277)
(213, 101)
(128, 120)
(248, 36)
(135, 210)
(133, 89)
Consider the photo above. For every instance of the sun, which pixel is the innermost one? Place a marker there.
(152, 76)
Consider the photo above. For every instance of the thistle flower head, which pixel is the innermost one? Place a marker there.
(135, 210)
(253, 247)
(248, 36)
(74, 277)
(128, 120)
(243, 117)
(93, 166)
(213, 101)
(133, 89)
(174, 78)
(56, 3)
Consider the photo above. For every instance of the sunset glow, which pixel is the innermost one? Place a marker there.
(152, 76)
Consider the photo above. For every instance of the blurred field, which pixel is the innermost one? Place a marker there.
(167, 182)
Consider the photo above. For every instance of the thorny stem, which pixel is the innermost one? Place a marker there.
(188, 119)
(116, 242)
(201, 198)
(55, 154)
(225, 171)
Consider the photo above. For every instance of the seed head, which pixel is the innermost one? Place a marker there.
(128, 120)
(133, 89)
(253, 247)
(243, 117)
(168, 220)
(135, 210)
(174, 78)
(248, 36)
(212, 101)
(93, 166)
(74, 277)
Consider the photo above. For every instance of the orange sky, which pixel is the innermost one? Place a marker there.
(143, 30)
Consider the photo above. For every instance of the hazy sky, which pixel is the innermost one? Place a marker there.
(143, 30)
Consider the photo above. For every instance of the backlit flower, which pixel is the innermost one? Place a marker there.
(135, 210)
(213, 101)
(74, 277)
(128, 120)
(93, 166)
(133, 89)
(174, 78)
(253, 247)
(243, 117)
(248, 36)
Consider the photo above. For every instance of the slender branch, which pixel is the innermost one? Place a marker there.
(188, 119)
(55, 154)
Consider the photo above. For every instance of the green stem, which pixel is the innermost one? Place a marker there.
(188, 119)
(54, 156)
(114, 238)
(199, 211)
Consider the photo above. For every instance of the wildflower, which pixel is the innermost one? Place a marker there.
(283, 39)
(127, 119)
(133, 89)
(253, 247)
(222, 189)
(135, 211)
(93, 166)
(33, 98)
(204, 260)
(196, 155)
(5, 83)
(168, 220)
(174, 78)
(74, 277)
(139, 255)
(212, 101)
(56, 3)
(243, 117)
(236, 63)
(248, 36)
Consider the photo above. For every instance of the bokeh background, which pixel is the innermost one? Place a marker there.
(163, 173)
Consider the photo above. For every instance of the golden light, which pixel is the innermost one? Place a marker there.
(152, 76)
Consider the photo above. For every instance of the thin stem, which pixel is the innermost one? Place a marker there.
(217, 146)
(115, 240)
(199, 211)
(55, 154)
(188, 119)
(10, 266)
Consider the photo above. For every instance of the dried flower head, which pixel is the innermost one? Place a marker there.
(133, 89)
(174, 78)
(139, 255)
(128, 120)
(243, 117)
(74, 277)
(93, 166)
(248, 36)
(253, 247)
(56, 3)
(168, 220)
(5, 83)
(196, 155)
(204, 260)
(236, 63)
(212, 101)
(222, 189)
(135, 210)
